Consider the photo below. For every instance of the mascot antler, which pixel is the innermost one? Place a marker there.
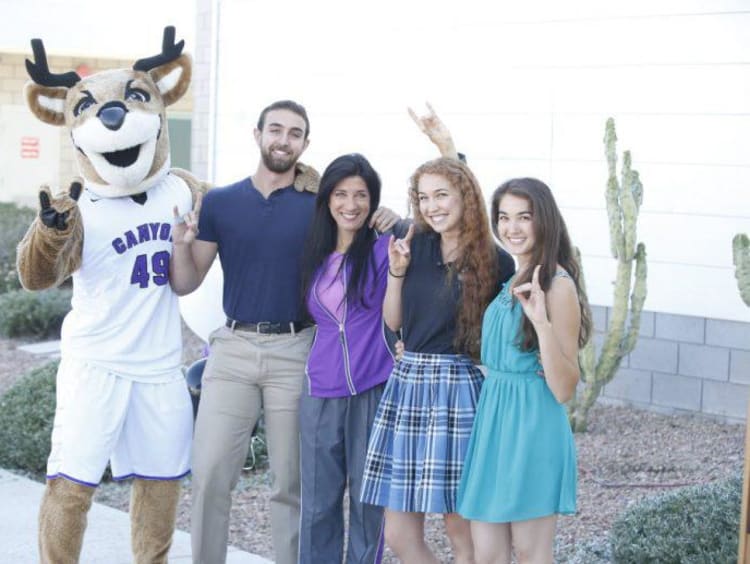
(39, 70)
(169, 52)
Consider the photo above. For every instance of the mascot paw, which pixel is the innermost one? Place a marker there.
(54, 212)
(306, 178)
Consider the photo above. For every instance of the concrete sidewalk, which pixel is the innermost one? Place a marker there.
(107, 539)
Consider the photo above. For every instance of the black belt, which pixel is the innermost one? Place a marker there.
(267, 327)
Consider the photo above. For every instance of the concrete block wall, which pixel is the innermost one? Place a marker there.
(683, 364)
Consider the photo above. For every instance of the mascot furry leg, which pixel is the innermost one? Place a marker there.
(62, 520)
(153, 508)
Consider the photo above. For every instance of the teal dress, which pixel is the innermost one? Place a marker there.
(521, 460)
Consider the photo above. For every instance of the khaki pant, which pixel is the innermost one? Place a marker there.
(246, 371)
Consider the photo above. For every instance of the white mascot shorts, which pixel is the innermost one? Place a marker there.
(144, 429)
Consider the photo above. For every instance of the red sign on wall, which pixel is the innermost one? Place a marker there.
(29, 147)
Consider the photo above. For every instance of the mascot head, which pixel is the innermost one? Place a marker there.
(117, 118)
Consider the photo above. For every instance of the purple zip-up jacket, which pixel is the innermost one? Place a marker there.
(353, 356)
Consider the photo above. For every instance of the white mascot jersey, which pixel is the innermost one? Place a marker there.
(125, 316)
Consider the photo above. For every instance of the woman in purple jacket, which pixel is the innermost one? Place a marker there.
(345, 275)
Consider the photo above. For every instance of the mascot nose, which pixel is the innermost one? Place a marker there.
(112, 114)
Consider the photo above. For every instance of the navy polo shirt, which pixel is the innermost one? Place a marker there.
(260, 247)
(430, 297)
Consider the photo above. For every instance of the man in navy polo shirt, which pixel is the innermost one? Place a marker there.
(258, 227)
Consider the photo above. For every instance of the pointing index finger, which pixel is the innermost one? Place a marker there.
(521, 288)
(409, 234)
(75, 189)
(416, 119)
(535, 276)
(44, 198)
(198, 203)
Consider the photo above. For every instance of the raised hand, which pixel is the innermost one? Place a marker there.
(54, 212)
(432, 126)
(399, 253)
(185, 228)
(533, 304)
(383, 219)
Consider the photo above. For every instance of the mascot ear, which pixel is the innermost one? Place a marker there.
(173, 78)
(46, 102)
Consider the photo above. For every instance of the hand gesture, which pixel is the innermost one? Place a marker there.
(383, 219)
(432, 126)
(399, 349)
(54, 212)
(185, 228)
(534, 305)
(305, 178)
(399, 253)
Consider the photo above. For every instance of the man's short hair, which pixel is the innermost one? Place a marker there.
(290, 105)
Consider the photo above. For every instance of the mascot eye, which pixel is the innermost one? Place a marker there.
(137, 95)
(83, 105)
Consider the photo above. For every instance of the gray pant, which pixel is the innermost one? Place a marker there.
(334, 435)
(245, 371)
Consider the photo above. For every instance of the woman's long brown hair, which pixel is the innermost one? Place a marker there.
(551, 247)
(477, 262)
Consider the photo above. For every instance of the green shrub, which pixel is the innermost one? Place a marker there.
(597, 551)
(696, 525)
(26, 414)
(14, 221)
(33, 314)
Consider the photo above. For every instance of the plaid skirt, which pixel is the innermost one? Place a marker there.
(421, 433)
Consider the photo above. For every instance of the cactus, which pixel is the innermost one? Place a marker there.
(741, 253)
(624, 199)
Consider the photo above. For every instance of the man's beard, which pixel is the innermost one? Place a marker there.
(277, 165)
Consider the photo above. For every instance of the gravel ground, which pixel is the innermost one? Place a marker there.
(625, 456)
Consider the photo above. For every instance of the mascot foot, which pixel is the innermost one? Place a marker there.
(62, 521)
(153, 510)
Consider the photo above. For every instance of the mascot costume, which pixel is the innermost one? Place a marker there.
(121, 396)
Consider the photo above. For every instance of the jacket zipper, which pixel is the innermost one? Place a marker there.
(342, 334)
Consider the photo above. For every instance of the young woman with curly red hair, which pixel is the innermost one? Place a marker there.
(442, 275)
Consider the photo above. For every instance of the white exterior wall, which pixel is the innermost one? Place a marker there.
(525, 91)
(93, 28)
